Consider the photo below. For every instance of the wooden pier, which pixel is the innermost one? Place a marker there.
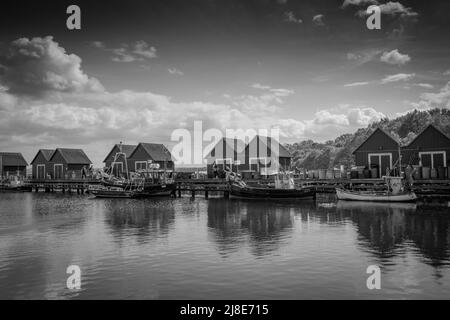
(207, 186)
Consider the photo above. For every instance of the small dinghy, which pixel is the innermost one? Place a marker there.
(394, 193)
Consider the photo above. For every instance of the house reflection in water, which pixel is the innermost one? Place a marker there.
(388, 229)
(263, 225)
(145, 220)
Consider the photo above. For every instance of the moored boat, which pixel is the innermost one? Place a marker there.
(378, 196)
(395, 193)
(284, 189)
(240, 191)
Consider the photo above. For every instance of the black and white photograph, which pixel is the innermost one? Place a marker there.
(247, 151)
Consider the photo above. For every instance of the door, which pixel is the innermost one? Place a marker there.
(117, 169)
(426, 160)
(41, 171)
(438, 160)
(58, 171)
(385, 164)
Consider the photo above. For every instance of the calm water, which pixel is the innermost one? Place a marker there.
(220, 249)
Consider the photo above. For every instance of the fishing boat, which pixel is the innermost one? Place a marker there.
(394, 193)
(282, 190)
(151, 182)
(14, 184)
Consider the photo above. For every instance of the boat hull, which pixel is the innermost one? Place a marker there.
(342, 194)
(270, 193)
(148, 191)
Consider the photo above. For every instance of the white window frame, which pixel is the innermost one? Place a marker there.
(431, 153)
(54, 170)
(258, 160)
(379, 160)
(37, 170)
(140, 162)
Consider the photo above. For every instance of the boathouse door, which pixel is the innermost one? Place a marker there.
(382, 160)
(58, 171)
(41, 171)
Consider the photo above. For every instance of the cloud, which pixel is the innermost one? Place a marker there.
(289, 16)
(318, 20)
(394, 57)
(356, 84)
(39, 66)
(397, 77)
(138, 51)
(446, 72)
(98, 44)
(393, 9)
(441, 98)
(175, 71)
(358, 3)
(364, 56)
(425, 85)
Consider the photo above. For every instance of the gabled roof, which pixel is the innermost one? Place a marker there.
(230, 142)
(156, 151)
(72, 156)
(12, 159)
(376, 130)
(430, 126)
(126, 148)
(46, 153)
(282, 151)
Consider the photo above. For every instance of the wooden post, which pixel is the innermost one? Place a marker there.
(192, 192)
(226, 194)
(206, 192)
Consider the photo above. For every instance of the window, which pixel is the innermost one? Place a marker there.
(433, 159)
(140, 165)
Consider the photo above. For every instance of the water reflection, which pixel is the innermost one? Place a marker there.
(388, 229)
(264, 225)
(144, 219)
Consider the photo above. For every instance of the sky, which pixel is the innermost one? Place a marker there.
(137, 71)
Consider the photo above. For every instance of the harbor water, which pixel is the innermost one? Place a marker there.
(220, 248)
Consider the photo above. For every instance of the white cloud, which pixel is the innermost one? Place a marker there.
(318, 20)
(425, 85)
(356, 84)
(441, 98)
(175, 71)
(394, 57)
(397, 77)
(39, 66)
(138, 51)
(289, 16)
(446, 72)
(364, 56)
(358, 3)
(393, 9)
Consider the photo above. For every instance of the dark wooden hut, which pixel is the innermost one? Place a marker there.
(42, 168)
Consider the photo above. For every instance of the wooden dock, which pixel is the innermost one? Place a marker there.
(209, 186)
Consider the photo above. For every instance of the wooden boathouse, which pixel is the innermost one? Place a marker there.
(262, 156)
(41, 167)
(120, 166)
(12, 163)
(431, 150)
(146, 153)
(68, 163)
(379, 151)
